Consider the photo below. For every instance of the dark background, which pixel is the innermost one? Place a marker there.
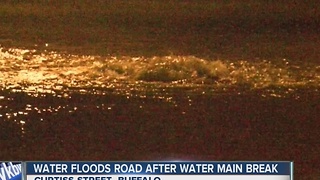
(226, 29)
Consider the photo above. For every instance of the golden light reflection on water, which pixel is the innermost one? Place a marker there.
(47, 72)
(41, 74)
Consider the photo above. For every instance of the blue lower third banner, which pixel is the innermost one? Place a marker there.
(163, 170)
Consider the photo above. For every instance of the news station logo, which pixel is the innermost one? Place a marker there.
(10, 171)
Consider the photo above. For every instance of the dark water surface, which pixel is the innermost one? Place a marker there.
(163, 124)
(137, 80)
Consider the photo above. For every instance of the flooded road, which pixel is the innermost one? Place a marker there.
(147, 80)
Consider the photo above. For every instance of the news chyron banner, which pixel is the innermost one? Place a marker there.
(163, 170)
(11, 171)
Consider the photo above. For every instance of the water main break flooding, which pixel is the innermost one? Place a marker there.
(42, 71)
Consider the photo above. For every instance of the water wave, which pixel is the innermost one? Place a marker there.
(31, 70)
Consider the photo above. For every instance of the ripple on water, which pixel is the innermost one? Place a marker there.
(36, 72)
